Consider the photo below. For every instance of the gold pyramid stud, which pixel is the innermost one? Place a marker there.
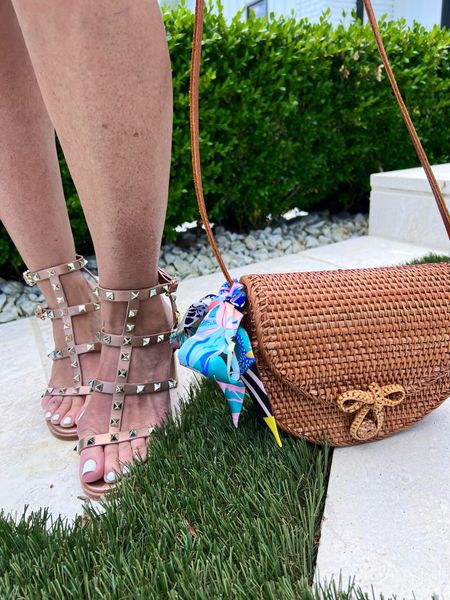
(71, 350)
(165, 288)
(156, 386)
(90, 347)
(145, 341)
(132, 433)
(134, 295)
(95, 291)
(160, 338)
(115, 422)
(50, 314)
(98, 387)
(172, 383)
(49, 390)
(119, 390)
(96, 306)
(51, 273)
(129, 327)
(117, 405)
(109, 295)
(122, 373)
(35, 277)
(124, 356)
(83, 262)
(140, 389)
(59, 299)
(114, 437)
(126, 341)
(58, 354)
(90, 441)
(132, 313)
(81, 308)
(56, 286)
(107, 339)
(74, 364)
(70, 266)
(66, 325)
(68, 338)
(76, 377)
(153, 292)
(62, 390)
(151, 430)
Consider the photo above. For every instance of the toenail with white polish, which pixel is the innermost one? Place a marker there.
(89, 466)
(110, 477)
(55, 417)
(67, 421)
(48, 414)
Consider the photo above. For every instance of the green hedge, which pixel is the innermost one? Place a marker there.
(294, 114)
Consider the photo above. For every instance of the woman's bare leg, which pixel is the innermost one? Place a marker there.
(32, 206)
(104, 72)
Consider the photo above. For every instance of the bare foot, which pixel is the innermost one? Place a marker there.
(151, 363)
(65, 410)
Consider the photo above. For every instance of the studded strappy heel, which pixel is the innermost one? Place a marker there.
(121, 387)
(72, 350)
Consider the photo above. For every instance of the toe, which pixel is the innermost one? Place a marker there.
(139, 448)
(62, 409)
(52, 406)
(70, 417)
(112, 465)
(125, 456)
(45, 401)
(92, 464)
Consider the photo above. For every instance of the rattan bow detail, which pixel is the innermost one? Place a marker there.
(369, 408)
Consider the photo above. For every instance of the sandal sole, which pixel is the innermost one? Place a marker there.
(65, 434)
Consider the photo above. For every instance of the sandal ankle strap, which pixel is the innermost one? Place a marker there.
(32, 277)
(111, 339)
(44, 312)
(166, 285)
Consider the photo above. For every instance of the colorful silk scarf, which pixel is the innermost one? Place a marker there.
(212, 341)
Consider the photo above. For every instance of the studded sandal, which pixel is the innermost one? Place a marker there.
(121, 387)
(71, 350)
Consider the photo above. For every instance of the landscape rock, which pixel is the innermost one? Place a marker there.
(12, 288)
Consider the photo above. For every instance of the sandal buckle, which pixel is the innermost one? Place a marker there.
(40, 312)
(28, 279)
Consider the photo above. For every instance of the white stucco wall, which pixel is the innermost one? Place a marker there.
(427, 12)
(312, 9)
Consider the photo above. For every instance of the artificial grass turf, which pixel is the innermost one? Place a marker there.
(430, 258)
(214, 513)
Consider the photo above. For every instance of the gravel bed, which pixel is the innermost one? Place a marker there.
(193, 257)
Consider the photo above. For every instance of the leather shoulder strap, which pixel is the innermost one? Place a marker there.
(195, 143)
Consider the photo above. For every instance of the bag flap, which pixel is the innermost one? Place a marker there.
(331, 331)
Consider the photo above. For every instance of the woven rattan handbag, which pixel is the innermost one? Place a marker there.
(346, 356)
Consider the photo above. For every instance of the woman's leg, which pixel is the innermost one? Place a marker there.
(32, 206)
(104, 72)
